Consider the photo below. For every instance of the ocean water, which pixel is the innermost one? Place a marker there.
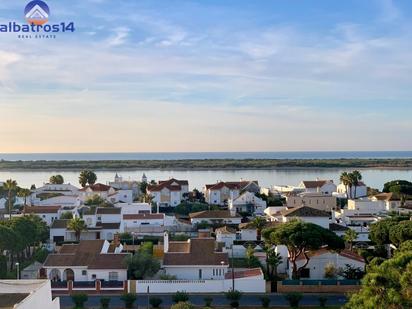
(207, 155)
(197, 179)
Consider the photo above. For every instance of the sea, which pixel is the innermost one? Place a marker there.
(198, 178)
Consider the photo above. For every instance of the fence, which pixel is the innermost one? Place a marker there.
(98, 286)
(318, 286)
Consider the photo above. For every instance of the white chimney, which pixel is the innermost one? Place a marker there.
(166, 241)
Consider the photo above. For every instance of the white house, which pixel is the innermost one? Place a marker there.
(247, 202)
(361, 190)
(194, 259)
(169, 192)
(87, 261)
(27, 294)
(134, 208)
(247, 232)
(221, 192)
(367, 206)
(131, 185)
(215, 217)
(146, 219)
(47, 213)
(307, 214)
(99, 189)
(226, 235)
(320, 258)
(318, 186)
(316, 200)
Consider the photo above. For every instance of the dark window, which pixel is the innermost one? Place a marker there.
(200, 274)
(305, 273)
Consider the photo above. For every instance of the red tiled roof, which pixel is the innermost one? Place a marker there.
(169, 184)
(41, 209)
(142, 216)
(344, 253)
(253, 272)
(98, 187)
(305, 211)
(212, 214)
(314, 183)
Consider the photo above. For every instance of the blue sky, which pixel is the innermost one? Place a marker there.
(209, 76)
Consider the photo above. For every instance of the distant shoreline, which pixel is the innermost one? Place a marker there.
(208, 164)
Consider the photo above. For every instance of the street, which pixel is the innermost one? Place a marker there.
(246, 300)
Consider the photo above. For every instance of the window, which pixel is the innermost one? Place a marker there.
(214, 272)
(305, 273)
(94, 276)
(200, 274)
(84, 272)
(113, 276)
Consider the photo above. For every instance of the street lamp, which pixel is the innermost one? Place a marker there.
(18, 270)
(223, 279)
(233, 271)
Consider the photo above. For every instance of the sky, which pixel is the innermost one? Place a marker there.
(210, 75)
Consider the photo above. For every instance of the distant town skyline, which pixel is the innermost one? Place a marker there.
(176, 76)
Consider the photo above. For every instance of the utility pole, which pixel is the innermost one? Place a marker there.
(148, 298)
(233, 272)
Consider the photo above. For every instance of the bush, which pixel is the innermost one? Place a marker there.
(79, 300)
(128, 299)
(208, 301)
(265, 300)
(167, 277)
(330, 271)
(234, 297)
(180, 296)
(294, 299)
(104, 302)
(234, 304)
(155, 302)
(40, 255)
(183, 305)
(322, 301)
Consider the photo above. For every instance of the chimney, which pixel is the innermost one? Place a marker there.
(165, 241)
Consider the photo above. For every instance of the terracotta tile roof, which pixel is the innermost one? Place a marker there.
(41, 209)
(86, 253)
(225, 230)
(179, 246)
(108, 226)
(233, 185)
(98, 187)
(314, 184)
(212, 214)
(143, 216)
(171, 184)
(344, 253)
(201, 252)
(253, 272)
(59, 224)
(108, 210)
(384, 196)
(305, 211)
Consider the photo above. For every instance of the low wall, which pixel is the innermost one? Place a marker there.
(250, 285)
(313, 286)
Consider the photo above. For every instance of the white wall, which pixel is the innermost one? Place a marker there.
(192, 272)
(248, 234)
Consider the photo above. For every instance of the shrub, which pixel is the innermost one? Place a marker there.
(155, 302)
(234, 304)
(322, 301)
(294, 299)
(128, 299)
(330, 271)
(167, 277)
(104, 302)
(40, 255)
(208, 301)
(183, 305)
(79, 300)
(180, 296)
(265, 300)
(234, 297)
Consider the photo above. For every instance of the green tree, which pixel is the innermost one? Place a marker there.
(273, 260)
(355, 177)
(401, 232)
(350, 236)
(87, 177)
(95, 200)
(142, 265)
(79, 300)
(346, 180)
(56, 179)
(180, 297)
(300, 237)
(129, 299)
(379, 231)
(294, 299)
(11, 187)
(67, 215)
(24, 193)
(77, 225)
(387, 285)
(259, 224)
(401, 188)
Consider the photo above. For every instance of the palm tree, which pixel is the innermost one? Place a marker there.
(24, 193)
(259, 223)
(349, 237)
(273, 260)
(356, 178)
(345, 180)
(77, 225)
(10, 186)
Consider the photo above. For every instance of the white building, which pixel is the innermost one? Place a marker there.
(307, 214)
(226, 235)
(317, 200)
(220, 193)
(87, 261)
(215, 217)
(367, 206)
(134, 208)
(27, 294)
(169, 192)
(318, 186)
(131, 221)
(194, 259)
(247, 202)
(361, 190)
(320, 258)
(47, 213)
